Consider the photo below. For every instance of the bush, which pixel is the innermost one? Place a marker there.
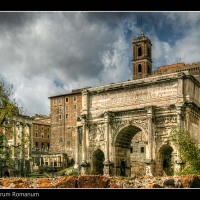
(188, 150)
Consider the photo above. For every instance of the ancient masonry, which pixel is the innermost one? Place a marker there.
(124, 128)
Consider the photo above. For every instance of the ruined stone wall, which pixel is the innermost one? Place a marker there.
(192, 90)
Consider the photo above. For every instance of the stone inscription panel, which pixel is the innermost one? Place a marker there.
(133, 96)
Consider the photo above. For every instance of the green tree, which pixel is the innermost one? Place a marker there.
(8, 108)
(189, 151)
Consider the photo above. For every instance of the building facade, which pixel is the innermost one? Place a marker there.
(124, 128)
(65, 111)
(16, 146)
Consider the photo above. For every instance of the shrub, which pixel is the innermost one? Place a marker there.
(188, 150)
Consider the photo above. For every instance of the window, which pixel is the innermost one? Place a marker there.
(48, 146)
(131, 150)
(48, 136)
(139, 51)
(60, 109)
(36, 146)
(67, 116)
(60, 100)
(54, 101)
(139, 68)
(60, 117)
(74, 107)
(67, 99)
(36, 135)
(75, 97)
(42, 146)
(42, 128)
(142, 150)
(60, 140)
(66, 108)
(36, 127)
(75, 115)
(149, 52)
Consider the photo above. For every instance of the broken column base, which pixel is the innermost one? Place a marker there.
(107, 168)
(149, 167)
(84, 167)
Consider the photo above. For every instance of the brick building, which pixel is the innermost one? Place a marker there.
(41, 130)
(193, 69)
(65, 110)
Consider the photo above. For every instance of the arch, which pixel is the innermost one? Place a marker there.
(130, 146)
(97, 162)
(165, 160)
(128, 127)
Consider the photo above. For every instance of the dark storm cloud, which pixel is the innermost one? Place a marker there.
(48, 53)
(53, 52)
(110, 18)
(16, 20)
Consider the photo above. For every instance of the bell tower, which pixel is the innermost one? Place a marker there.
(142, 59)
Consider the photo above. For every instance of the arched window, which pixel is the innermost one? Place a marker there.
(139, 68)
(139, 51)
(42, 146)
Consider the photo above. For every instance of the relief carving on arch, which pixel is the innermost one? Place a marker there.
(92, 133)
(96, 134)
(166, 119)
(163, 133)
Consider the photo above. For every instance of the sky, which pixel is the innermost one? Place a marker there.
(44, 54)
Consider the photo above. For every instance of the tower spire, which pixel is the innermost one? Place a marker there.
(142, 31)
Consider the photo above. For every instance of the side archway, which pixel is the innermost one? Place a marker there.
(97, 162)
(165, 161)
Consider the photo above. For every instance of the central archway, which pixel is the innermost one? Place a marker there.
(130, 151)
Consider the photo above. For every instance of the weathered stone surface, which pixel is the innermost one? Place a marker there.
(113, 185)
(154, 185)
(191, 181)
(93, 181)
(66, 182)
(5, 182)
(96, 181)
(45, 183)
(169, 183)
